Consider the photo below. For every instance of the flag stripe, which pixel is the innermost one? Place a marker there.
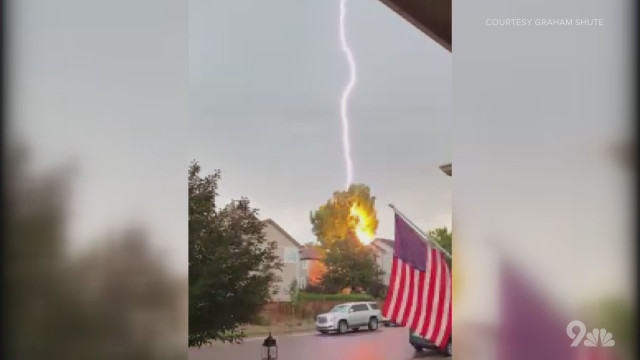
(430, 291)
(414, 298)
(390, 298)
(399, 292)
(421, 299)
(447, 333)
(408, 297)
(425, 295)
(393, 284)
(437, 323)
(402, 293)
(445, 325)
(435, 296)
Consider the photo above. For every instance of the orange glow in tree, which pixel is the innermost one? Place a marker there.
(362, 224)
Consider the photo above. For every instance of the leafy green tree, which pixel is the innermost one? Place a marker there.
(232, 267)
(333, 220)
(350, 264)
(443, 237)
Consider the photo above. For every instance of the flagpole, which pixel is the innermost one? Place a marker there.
(418, 230)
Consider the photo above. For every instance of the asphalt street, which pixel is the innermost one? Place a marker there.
(383, 344)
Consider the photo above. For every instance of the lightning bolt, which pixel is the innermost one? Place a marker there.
(345, 94)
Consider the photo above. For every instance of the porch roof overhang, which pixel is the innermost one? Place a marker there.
(432, 17)
(446, 168)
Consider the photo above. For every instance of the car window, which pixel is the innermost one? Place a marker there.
(340, 308)
(359, 307)
(374, 306)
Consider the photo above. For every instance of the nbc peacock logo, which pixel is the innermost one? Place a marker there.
(596, 338)
(599, 337)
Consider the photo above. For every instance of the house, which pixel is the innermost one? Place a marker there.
(288, 251)
(312, 267)
(384, 256)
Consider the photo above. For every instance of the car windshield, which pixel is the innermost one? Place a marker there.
(340, 308)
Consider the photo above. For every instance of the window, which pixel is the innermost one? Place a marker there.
(341, 309)
(303, 283)
(290, 255)
(304, 264)
(374, 306)
(359, 307)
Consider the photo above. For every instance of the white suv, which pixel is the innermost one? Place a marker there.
(350, 316)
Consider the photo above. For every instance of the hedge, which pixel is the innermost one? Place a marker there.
(304, 296)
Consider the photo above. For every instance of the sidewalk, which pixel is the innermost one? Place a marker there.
(279, 329)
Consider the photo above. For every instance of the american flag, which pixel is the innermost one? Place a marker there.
(419, 291)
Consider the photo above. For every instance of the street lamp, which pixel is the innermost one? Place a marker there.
(269, 349)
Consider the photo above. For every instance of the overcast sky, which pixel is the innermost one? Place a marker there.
(265, 84)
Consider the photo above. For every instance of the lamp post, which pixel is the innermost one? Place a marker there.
(269, 349)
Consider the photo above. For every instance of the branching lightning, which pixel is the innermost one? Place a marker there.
(345, 95)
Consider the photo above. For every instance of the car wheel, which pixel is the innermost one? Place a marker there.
(373, 323)
(418, 348)
(342, 327)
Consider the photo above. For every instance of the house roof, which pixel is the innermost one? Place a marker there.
(389, 243)
(310, 253)
(281, 230)
(378, 247)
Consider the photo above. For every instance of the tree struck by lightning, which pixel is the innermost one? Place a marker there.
(345, 94)
(362, 221)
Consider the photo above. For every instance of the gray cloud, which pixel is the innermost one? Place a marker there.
(265, 81)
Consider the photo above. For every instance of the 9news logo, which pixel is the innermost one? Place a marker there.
(595, 338)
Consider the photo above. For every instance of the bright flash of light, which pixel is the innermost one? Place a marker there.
(345, 94)
(363, 226)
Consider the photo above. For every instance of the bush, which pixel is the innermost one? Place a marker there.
(315, 289)
(377, 289)
(305, 296)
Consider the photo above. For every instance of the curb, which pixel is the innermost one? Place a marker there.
(255, 337)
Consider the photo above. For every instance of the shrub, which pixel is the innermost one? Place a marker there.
(315, 289)
(377, 289)
(261, 320)
(305, 296)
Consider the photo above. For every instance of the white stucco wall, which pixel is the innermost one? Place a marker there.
(303, 274)
(290, 270)
(385, 260)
